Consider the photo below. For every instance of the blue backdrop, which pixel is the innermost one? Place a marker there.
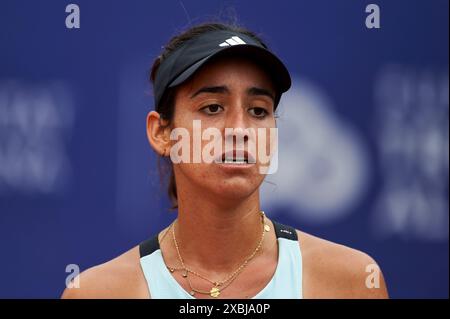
(367, 167)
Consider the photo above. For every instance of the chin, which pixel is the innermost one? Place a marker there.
(235, 188)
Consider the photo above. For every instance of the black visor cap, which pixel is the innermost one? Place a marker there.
(181, 64)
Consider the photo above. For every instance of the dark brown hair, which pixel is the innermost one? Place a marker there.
(166, 106)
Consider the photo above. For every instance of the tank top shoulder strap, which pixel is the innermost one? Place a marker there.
(149, 246)
(287, 280)
(284, 231)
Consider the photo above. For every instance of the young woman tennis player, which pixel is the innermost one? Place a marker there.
(221, 244)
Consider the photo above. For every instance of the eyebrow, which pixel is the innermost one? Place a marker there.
(211, 89)
(253, 91)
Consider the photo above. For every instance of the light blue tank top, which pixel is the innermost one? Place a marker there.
(286, 283)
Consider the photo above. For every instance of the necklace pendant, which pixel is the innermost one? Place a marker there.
(192, 292)
(185, 274)
(214, 292)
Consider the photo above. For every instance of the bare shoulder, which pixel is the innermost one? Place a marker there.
(332, 270)
(120, 277)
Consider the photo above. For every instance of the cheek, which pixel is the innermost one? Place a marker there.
(266, 143)
(183, 118)
(194, 172)
(181, 132)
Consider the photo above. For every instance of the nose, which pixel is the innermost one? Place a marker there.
(236, 126)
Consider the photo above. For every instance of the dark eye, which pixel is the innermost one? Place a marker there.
(258, 112)
(212, 109)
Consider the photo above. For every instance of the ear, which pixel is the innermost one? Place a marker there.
(158, 133)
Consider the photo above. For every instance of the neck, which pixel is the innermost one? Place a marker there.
(217, 236)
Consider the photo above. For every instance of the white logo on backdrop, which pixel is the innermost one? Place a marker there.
(35, 122)
(322, 161)
(411, 125)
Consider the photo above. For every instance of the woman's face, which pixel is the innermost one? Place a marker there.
(231, 93)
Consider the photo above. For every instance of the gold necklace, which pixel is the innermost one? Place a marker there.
(218, 286)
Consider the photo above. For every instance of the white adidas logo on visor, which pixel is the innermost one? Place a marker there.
(232, 41)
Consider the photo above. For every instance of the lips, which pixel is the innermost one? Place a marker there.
(236, 157)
